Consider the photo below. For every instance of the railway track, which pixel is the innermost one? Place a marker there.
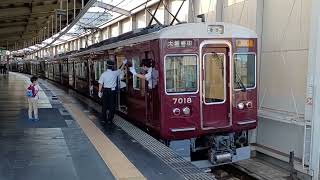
(230, 172)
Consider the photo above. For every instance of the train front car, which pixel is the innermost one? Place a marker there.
(210, 91)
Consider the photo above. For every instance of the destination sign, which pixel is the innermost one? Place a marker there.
(180, 43)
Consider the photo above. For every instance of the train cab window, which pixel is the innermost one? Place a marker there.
(214, 78)
(244, 71)
(136, 81)
(181, 74)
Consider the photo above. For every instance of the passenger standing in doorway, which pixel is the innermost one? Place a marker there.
(151, 75)
(33, 98)
(107, 90)
(123, 90)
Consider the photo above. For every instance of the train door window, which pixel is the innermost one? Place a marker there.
(103, 66)
(83, 68)
(181, 72)
(77, 66)
(96, 68)
(214, 78)
(65, 67)
(244, 71)
(136, 81)
(70, 67)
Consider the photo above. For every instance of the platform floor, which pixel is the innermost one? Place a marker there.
(53, 148)
(69, 143)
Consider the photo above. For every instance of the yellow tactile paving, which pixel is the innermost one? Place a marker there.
(119, 165)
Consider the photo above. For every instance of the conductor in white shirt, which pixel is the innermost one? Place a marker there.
(107, 90)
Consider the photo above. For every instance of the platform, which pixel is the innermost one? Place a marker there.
(69, 143)
(53, 148)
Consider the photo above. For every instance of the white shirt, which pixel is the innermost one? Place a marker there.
(109, 78)
(37, 89)
(122, 84)
(152, 78)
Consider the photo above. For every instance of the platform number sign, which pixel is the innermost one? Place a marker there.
(182, 100)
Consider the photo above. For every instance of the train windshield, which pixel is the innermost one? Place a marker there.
(244, 71)
(181, 74)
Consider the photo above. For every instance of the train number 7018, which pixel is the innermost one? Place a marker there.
(182, 100)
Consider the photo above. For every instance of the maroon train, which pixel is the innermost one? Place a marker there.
(203, 101)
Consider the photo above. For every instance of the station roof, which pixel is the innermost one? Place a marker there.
(21, 20)
(94, 16)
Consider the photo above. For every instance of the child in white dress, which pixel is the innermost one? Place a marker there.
(33, 98)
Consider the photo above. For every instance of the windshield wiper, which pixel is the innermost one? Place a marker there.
(240, 83)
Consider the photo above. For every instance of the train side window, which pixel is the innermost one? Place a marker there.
(244, 71)
(214, 78)
(136, 81)
(181, 74)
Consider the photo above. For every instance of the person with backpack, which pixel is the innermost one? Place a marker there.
(33, 97)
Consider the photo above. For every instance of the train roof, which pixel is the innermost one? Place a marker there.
(180, 31)
(201, 30)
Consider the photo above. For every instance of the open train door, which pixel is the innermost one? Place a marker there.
(215, 89)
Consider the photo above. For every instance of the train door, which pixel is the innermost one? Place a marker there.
(215, 89)
(151, 95)
(121, 98)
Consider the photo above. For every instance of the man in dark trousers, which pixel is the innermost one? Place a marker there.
(107, 90)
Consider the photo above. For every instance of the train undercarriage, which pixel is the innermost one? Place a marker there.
(214, 150)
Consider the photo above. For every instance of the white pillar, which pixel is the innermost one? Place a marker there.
(191, 12)
(133, 22)
(313, 87)
(167, 16)
(120, 27)
(109, 32)
(219, 11)
(148, 17)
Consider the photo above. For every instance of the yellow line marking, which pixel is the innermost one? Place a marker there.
(119, 165)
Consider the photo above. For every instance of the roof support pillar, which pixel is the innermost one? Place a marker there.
(219, 11)
(67, 8)
(133, 20)
(74, 9)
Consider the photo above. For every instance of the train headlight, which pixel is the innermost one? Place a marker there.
(240, 106)
(176, 111)
(249, 104)
(186, 111)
